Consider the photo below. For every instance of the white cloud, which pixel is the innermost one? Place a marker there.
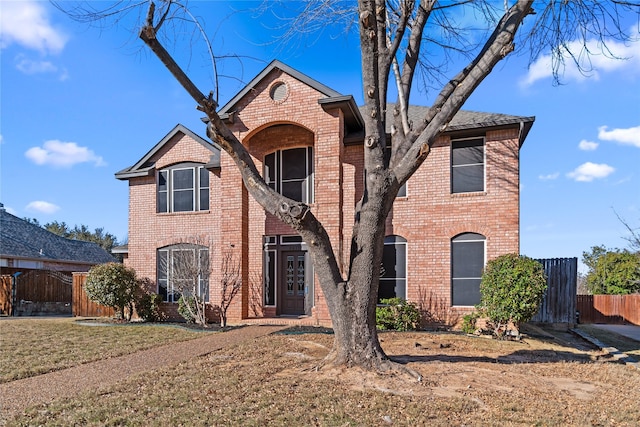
(588, 171)
(629, 136)
(619, 56)
(27, 23)
(30, 67)
(587, 145)
(42, 207)
(1, 139)
(62, 154)
(549, 177)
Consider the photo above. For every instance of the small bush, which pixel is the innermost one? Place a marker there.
(397, 314)
(147, 303)
(512, 289)
(469, 322)
(114, 285)
(186, 308)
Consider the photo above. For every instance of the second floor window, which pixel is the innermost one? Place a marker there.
(290, 173)
(467, 165)
(183, 188)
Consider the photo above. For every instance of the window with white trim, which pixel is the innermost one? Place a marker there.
(183, 188)
(290, 173)
(467, 262)
(179, 267)
(393, 275)
(467, 165)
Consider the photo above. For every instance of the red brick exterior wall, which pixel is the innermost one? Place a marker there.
(428, 217)
(150, 230)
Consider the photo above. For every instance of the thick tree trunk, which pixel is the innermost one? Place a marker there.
(353, 306)
(356, 338)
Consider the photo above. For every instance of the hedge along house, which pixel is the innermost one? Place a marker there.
(458, 210)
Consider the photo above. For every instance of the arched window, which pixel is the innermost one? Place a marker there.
(393, 276)
(290, 173)
(467, 262)
(182, 269)
(183, 188)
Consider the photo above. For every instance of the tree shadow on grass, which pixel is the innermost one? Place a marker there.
(517, 357)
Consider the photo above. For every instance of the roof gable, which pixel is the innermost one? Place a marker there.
(145, 166)
(22, 239)
(275, 64)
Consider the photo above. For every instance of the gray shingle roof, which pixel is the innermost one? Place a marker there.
(21, 239)
(463, 120)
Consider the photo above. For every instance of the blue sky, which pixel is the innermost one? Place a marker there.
(79, 103)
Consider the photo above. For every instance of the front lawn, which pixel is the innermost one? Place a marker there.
(273, 381)
(33, 346)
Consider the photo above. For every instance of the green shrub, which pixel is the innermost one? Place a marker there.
(114, 285)
(147, 303)
(612, 271)
(187, 308)
(397, 314)
(512, 289)
(469, 322)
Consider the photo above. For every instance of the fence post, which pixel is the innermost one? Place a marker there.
(14, 292)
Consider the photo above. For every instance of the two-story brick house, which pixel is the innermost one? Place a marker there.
(458, 210)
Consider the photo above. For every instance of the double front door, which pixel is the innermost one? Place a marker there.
(292, 282)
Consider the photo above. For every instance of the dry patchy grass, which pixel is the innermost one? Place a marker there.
(271, 381)
(33, 346)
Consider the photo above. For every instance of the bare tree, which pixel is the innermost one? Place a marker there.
(396, 38)
(230, 284)
(188, 267)
(634, 234)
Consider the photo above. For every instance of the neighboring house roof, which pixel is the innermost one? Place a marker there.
(145, 167)
(19, 239)
(121, 249)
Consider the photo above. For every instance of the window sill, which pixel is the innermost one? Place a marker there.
(473, 194)
(183, 213)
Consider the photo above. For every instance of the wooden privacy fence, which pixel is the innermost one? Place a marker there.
(82, 305)
(559, 304)
(35, 292)
(5, 294)
(44, 286)
(609, 308)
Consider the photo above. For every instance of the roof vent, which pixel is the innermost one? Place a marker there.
(279, 91)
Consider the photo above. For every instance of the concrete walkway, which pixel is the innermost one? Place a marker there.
(629, 331)
(15, 396)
